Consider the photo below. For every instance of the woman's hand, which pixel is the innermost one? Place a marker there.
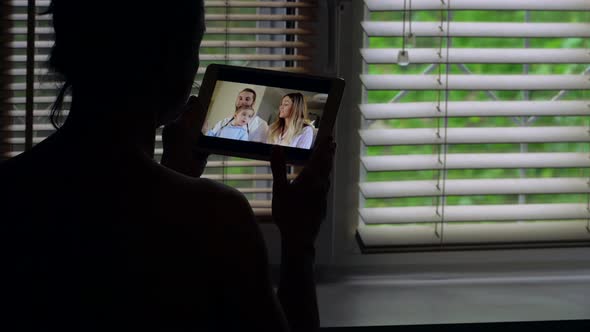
(178, 139)
(299, 207)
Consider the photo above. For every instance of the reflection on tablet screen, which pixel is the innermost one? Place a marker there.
(264, 114)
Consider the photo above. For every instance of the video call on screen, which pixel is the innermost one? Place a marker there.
(262, 114)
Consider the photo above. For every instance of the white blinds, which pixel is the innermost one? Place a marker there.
(265, 34)
(480, 136)
(4, 76)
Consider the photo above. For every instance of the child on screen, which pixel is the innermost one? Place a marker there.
(236, 127)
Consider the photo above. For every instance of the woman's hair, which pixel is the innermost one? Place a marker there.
(297, 120)
(115, 45)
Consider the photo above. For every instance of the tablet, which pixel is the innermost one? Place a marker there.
(250, 110)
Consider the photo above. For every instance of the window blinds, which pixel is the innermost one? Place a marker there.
(480, 137)
(264, 34)
(4, 77)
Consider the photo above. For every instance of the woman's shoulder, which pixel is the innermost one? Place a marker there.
(217, 210)
(209, 197)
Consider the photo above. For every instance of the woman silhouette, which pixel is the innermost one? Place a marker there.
(97, 235)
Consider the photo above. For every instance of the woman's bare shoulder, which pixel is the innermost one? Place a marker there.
(207, 197)
(21, 169)
(222, 214)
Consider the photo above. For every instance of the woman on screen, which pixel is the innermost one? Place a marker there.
(292, 127)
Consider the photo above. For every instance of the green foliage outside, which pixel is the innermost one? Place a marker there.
(417, 96)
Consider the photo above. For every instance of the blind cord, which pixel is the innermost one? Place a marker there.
(441, 199)
(410, 33)
(404, 27)
(439, 110)
(446, 121)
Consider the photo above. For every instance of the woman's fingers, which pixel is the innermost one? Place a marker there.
(319, 165)
(279, 169)
(191, 113)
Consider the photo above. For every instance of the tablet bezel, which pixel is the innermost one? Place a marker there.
(333, 87)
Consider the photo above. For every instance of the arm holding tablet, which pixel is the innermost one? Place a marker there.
(299, 228)
(296, 299)
(177, 141)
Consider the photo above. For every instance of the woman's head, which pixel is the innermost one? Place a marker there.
(293, 107)
(243, 116)
(128, 49)
(291, 120)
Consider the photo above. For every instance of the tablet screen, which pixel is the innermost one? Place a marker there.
(264, 114)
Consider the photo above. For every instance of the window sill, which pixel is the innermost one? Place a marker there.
(368, 298)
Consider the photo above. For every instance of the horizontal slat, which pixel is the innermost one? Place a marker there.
(258, 31)
(253, 57)
(252, 43)
(475, 187)
(380, 5)
(36, 86)
(238, 163)
(38, 100)
(242, 177)
(476, 82)
(257, 17)
(210, 31)
(42, 72)
(477, 234)
(23, 71)
(22, 113)
(204, 44)
(475, 108)
(488, 29)
(21, 140)
(476, 161)
(208, 17)
(42, 58)
(260, 203)
(21, 127)
(428, 135)
(474, 135)
(200, 71)
(39, 44)
(458, 213)
(202, 57)
(261, 4)
(478, 55)
(213, 4)
(251, 190)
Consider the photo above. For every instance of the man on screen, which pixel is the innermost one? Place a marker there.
(257, 127)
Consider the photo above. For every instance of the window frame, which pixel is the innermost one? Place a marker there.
(341, 245)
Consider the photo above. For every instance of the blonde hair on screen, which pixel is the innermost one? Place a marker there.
(297, 119)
